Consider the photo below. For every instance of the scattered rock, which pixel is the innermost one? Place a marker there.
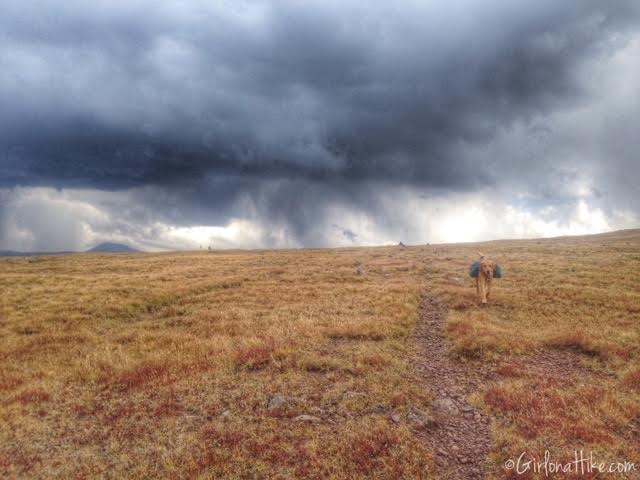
(378, 409)
(420, 419)
(225, 416)
(395, 418)
(445, 404)
(307, 419)
(277, 401)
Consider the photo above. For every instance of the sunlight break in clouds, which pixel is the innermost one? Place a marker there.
(44, 218)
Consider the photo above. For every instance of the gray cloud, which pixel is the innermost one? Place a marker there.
(282, 112)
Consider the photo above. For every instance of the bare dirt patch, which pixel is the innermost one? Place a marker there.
(460, 437)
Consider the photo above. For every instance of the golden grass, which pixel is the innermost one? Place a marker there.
(162, 365)
(124, 364)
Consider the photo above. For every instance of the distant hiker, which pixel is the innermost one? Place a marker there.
(484, 271)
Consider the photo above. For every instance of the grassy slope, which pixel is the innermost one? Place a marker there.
(124, 364)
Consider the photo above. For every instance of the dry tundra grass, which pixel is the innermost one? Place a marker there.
(163, 365)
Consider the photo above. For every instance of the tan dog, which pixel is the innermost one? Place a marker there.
(484, 279)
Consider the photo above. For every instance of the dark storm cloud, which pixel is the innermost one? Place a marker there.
(126, 94)
(294, 114)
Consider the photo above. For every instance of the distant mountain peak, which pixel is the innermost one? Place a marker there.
(110, 247)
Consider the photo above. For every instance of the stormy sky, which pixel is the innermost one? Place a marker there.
(181, 124)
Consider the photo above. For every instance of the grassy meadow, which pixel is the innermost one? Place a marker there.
(167, 365)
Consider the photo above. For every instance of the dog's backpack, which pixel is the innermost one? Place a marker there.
(497, 271)
(474, 269)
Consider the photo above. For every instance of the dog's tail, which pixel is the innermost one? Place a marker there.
(481, 255)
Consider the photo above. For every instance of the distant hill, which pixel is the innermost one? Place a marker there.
(108, 247)
(13, 253)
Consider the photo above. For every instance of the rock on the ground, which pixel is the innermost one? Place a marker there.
(420, 419)
(277, 401)
(307, 418)
(445, 405)
(395, 418)
(377, 409)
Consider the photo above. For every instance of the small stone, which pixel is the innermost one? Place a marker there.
(225, 416)
(420, 419)
(307, 419)
(395, 418)
(378, 409)
(277, 401)
(445, 404)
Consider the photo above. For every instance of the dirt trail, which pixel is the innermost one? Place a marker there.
(460, 438)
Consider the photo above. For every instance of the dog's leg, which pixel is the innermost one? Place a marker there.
(484, 291)
(483, 288)
(489, 282)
